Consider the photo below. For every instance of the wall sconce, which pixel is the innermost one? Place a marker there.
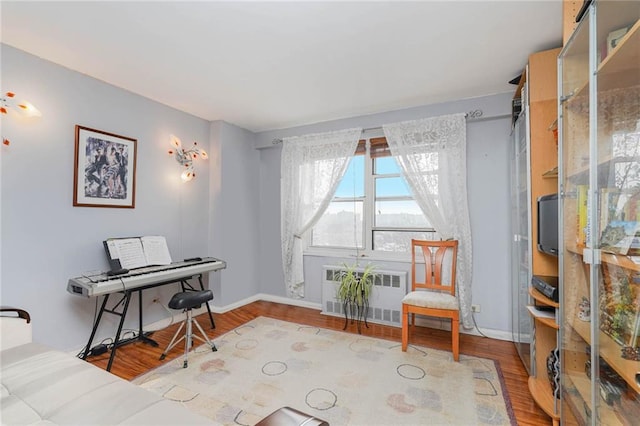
(186, 157)
(22, 108)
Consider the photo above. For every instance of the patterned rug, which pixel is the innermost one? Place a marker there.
(343, 378)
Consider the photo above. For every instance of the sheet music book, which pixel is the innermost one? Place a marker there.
(137, 252)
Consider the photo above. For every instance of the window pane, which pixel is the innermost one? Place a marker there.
(340, 226)
(392, 187)
(352, 183)
(400, 214)
(385, 166)
(398, 241)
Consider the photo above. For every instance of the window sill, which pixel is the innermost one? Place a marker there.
(350, 254)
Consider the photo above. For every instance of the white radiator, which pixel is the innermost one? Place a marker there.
(385, 303)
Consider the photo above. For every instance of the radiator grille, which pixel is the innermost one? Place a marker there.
(385, 304)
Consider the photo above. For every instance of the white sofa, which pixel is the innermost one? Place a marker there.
(43, 386)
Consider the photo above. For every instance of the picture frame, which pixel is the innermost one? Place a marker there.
(104, 169)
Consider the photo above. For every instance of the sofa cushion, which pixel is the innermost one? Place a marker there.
(16, 410)
(45, 386)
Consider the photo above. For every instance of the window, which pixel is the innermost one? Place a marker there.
(342, 225)
(373, 209)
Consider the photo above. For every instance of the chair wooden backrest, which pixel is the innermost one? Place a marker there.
(433, 254)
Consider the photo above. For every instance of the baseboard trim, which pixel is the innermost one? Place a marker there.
(425, 322)
(445, 324)
(178, 317)
(288, 301)
(492, 333)
(266, 298)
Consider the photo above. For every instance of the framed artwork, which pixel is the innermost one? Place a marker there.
(105, 169)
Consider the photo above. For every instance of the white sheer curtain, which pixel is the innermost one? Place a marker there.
(311, 169)
(432, 156)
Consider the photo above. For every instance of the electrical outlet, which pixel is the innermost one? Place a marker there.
(475, 308)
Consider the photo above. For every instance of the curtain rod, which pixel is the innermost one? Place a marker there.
(472, 116)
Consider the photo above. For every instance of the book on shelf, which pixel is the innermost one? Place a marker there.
(582, 196)
(619, 237)
(619, 308)
(618, 205)
(137, 252)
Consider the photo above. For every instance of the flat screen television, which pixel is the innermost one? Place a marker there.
(548, 224)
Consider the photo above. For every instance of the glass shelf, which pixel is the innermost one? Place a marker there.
(599, 129)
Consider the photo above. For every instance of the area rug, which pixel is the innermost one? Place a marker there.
(343, 378)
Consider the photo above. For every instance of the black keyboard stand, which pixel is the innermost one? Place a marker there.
(122, 306)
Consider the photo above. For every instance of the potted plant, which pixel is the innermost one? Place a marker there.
(353, 292)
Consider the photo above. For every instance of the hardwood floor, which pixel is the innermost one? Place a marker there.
(137, 358)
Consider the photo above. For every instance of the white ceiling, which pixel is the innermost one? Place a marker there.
(270, 65)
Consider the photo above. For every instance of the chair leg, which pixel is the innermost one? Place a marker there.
(405, 328)
(173, 341)
(188, 339)
(455, 338)
(206, 338)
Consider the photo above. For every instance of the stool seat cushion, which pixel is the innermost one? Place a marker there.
(190, 299)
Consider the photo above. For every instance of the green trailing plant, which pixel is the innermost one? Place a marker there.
(354, 291)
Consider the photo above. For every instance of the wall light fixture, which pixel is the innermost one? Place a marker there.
(8, 103)
(186, 156)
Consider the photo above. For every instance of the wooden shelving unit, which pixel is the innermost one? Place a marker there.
(551, 174)
(543, 111)
(541, 75)
(610, 352)
(543, 317)
(624, 262)
(600, 85)
(620, 71)
(543, 396)
(546, 330)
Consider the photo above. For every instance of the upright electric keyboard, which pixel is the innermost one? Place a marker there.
(100, 284)
(135, 281)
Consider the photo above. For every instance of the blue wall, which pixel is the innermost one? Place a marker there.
(231, 210)
(488, 187)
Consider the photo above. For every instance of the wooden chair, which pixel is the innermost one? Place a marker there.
(431, 296)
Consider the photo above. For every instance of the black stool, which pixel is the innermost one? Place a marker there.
(188, 300)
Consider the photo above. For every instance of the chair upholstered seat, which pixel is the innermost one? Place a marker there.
(431, 299)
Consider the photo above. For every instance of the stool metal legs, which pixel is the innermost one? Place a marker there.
(188, 338)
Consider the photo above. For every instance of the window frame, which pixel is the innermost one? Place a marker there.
(369, 202)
